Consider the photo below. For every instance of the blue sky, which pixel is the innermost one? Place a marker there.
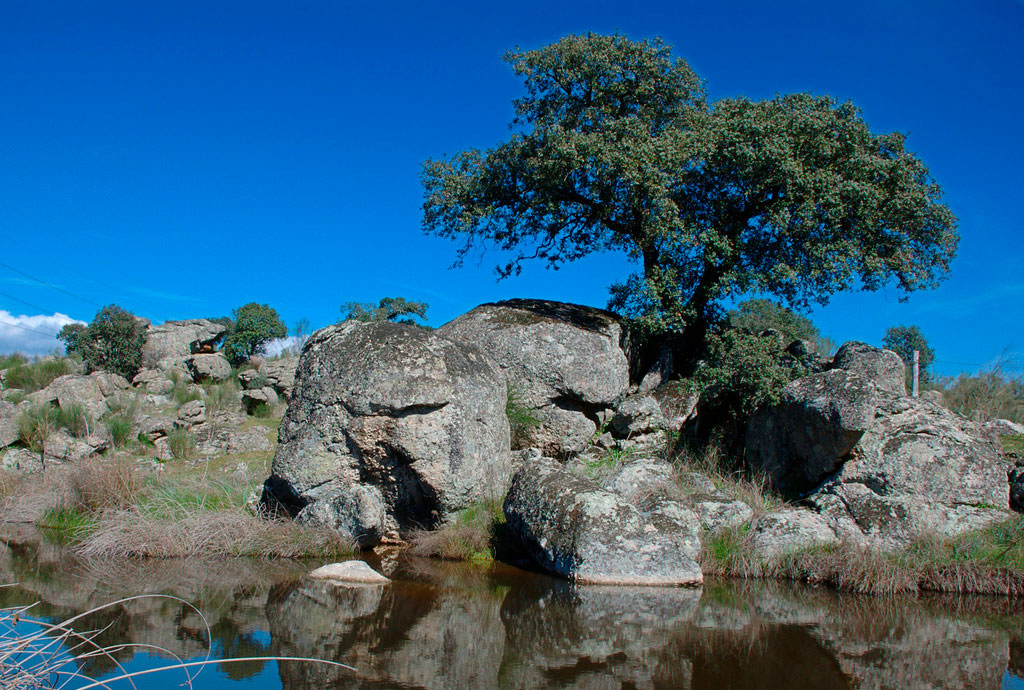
(181, 159)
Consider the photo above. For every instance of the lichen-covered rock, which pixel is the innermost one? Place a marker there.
(279, 374)
(678, 401)
(884, 368)
(564, 361)
(641, 479)
(253, 399)
(222, 433)
(637, 414)
(807, 435)
(176, 340)
(1004, 427)
(574, 528)
(192, 413)
(213, 367)
(786, 531)
(153, 381)
(416, 416)
(718, 510)
(8, 424)
(919, 468)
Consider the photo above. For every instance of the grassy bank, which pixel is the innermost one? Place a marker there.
(116, 509)
(989, 561)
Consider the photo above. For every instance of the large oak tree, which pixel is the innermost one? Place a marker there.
(615, 147)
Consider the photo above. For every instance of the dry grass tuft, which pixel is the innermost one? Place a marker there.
(455, 543)
(102, 485)
(231, 532)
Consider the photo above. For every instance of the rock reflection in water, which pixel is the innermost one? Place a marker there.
(445, 626)
(539, 633)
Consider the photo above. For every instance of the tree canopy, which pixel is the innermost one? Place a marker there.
(615, 147)
(903, 340)
(254, 326)
(112, 341)
(396, 309)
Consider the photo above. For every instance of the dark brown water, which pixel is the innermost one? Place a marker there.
(442, 625)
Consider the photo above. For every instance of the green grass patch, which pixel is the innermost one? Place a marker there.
(67, 524)
(1013, 444)
(37, 375)
(471, 535)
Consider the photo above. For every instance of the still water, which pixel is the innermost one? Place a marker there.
(440, 625)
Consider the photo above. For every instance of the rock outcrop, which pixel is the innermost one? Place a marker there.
(167, 346)
(390, 427)
(8, 424)
(574, 528)
(211, 367)
(563, 361)
(882, 467)
(884, 368)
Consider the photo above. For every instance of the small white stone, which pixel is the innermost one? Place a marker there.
(349, 571)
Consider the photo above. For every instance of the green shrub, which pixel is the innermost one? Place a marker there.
(11, 360)
(36, 424)
(759, 315)
(255, 326)
(120, 428)
(261, 411)
(223, 395)
(182, 443)
(184, 392)
(520, 417)
(35, 376)
(111, 342)
(75, 419)
(744, 371)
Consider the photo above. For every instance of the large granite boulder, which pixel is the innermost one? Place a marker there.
(918, 469)
(883, 468)
(174, 341)
(574, 528)
(884, 368)
(563, 361)
(212, 367)
(808, 434)
(389, 427)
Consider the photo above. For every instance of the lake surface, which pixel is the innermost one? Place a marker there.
(442, 625)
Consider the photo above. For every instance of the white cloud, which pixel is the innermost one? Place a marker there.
(32, 335)
(277, 346)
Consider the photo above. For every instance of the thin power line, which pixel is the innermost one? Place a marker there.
(27, 304)
(30, 330)
(50, 285)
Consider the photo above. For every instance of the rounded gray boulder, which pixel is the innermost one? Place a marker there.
(389, 427)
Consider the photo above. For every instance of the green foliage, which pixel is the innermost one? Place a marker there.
(903, 340)
(254, 326)
(388, 309)
(119, 426)
(36, 424)
(616, 148)
(75, 419)
(182, 443)
(37, 375)
(112, 342)
(223, 395)
(68, 523)
(184, 391)
(760, 315)
(743, 372)
(12, 360)
(73, 336)
(520, 417)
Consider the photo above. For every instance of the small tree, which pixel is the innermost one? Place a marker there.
(71, 335)
(255, 326)
(388, 309)
(112, 341)
(759, 315)
(903, 340)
